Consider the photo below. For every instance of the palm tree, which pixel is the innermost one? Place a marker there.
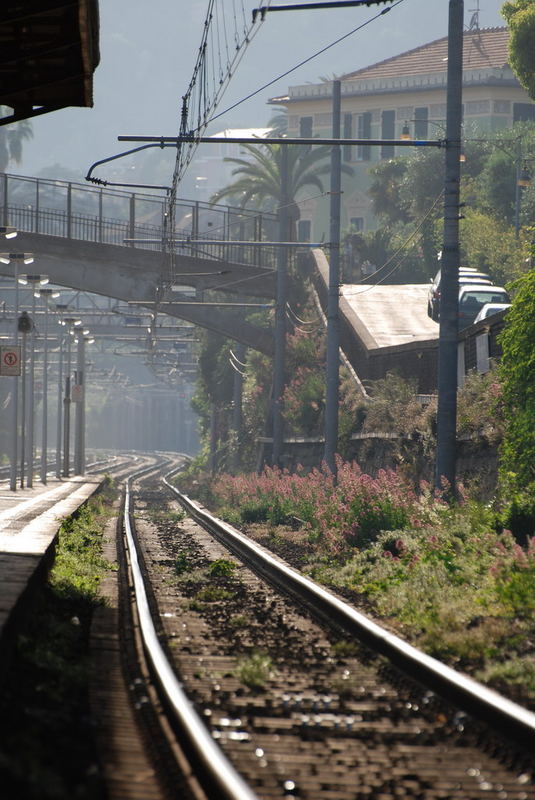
(258, 180)
(279, 122)
(11, 139)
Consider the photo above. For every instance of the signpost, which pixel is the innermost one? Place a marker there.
(10, 360)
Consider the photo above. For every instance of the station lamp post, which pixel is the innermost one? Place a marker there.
(61, 308)
(34, 281)
(71, 323)
(82, 339)
(24, 326)
(47, 295)
(16, 258)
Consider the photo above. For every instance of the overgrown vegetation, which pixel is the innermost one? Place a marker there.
(160, 516)
(255, 670)
(46, 750)
(517, 371)
(458, 580)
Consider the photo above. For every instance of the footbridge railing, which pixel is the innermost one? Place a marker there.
(133, 219)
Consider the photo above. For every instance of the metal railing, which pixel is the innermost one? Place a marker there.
(110, 216)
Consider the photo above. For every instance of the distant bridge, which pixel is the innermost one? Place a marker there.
(109, 242)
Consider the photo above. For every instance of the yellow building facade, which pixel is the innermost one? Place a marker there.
(408, 90)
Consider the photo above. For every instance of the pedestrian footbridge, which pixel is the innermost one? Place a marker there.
(110, 242)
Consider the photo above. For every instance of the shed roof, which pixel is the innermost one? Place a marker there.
(49, 53)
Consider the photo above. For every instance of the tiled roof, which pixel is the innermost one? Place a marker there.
(485, 48)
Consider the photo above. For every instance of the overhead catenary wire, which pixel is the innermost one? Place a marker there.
(185, 154)
(201, 99)
(305, 61)
(235, 357)
(298, 319)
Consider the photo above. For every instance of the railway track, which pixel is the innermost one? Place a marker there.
(304, 696)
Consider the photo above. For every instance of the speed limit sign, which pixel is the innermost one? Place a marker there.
(10, 360)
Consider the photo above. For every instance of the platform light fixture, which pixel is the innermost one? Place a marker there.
(8, 231)
(24, 258)
(34, 280)
(48, 294)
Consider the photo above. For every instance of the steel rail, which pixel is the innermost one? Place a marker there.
(229, 784)
(482, 702)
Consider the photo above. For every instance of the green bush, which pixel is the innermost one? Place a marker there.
(380, 514)
(519, 515)
(255, 511)
(222, 567)
(517, 371)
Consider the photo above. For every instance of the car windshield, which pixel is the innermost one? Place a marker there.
(480, 298)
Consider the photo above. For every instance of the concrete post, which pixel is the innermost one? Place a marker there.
(280, 312)
(59, 414)
(67, 411)
(237, 412)
(44, 428)
(15, 411)
(31, 404)
(79, 415)
(23, 413)
(449, 297)
(333, 321)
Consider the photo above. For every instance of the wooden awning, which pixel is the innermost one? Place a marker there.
(49, 50)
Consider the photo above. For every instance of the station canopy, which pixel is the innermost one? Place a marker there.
(50, 51)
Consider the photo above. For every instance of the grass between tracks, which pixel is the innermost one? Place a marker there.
(46, 750)
(458, 581)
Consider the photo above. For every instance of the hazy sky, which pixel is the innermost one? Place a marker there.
(148, 52)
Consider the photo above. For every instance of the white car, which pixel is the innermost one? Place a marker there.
(472, 298)
(466, 275)
(491, 308)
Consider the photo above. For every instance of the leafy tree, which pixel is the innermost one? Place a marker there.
(497, 186)
(11, 141)
(520, 17)
(517, 371)
(258, 179)
(386, 193)
(406, 194)
(214, 384)
(490, 245)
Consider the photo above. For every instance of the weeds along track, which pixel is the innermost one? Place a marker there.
(305, 697)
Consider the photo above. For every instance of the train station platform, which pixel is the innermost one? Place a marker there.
(30, 520)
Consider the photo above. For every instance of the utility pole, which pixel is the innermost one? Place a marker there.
(333, 320)
(449, 296)
(280, 313)
(31, 409)
(67, 411)
(15, 415)
(59, 412)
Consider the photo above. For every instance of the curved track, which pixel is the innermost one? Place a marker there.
(297, 691)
